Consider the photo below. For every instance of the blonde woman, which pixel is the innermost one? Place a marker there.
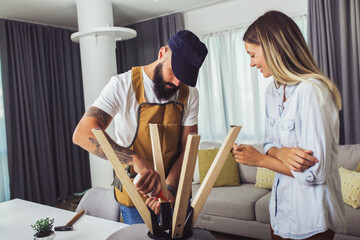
(302, 132)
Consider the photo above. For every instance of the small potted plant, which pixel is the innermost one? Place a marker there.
(43, 229)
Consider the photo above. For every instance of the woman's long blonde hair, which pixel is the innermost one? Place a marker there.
(286, 53)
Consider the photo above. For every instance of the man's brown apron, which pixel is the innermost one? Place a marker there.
(168, 116)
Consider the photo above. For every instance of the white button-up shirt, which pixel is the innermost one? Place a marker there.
(311, 201)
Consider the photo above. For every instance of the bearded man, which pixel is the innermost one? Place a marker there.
(161, 92)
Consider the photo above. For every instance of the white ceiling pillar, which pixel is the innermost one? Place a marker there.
(97, 36)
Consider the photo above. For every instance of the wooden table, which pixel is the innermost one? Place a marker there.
(17, 216)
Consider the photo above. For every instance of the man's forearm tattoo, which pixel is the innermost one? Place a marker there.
(124, 154)
(121, 149)
(98, 151)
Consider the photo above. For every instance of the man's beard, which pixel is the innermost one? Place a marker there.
(160, 86)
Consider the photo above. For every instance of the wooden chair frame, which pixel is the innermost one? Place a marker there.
(185, 181)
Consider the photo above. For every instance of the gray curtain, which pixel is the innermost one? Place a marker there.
(151, 36)
(43, 100)
(334, 38)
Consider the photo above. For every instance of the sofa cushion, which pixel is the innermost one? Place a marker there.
(247, 174)
(229, 174)
(203, 145)
(349, 156)
(352, 221)
(232, 201)
(350, 187)
(262, 213)
(264, 178)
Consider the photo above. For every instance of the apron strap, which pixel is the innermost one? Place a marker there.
(117, 183)
(138, 85)
(183, 94)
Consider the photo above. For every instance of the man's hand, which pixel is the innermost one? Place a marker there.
(154, 203)
(297, 159)
(246, 154)
(149, 180)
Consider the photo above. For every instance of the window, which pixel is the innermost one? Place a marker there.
(4, 171)
(230, 91)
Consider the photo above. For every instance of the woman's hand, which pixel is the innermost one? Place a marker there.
(246, 154)
(296, 159)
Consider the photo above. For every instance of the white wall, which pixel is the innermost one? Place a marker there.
(236, 13)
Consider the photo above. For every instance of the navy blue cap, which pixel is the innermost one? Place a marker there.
(188, 54)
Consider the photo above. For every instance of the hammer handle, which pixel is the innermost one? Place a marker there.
(75, 218)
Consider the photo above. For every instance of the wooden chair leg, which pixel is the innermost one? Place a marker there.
(213, 172)
(157, 155)
(124, 178)
(185, 183)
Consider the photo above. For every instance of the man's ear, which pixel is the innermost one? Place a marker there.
(162, 54)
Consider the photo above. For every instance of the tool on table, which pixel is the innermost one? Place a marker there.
(69, 225)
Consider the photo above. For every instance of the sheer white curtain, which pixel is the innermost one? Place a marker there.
(4, 171)
(230, 91)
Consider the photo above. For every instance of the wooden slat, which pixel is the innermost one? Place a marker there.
(213, 172)
(124, 178)
(185, 183)
(157, 155)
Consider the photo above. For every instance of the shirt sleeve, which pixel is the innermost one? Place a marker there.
(190, 117)
(319, 120)
(110, 100)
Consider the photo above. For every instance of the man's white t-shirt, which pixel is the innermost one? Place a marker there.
(119, 101)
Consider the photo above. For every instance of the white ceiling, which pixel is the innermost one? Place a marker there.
(63, 12)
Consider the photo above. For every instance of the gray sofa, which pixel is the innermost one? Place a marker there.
(243, 210)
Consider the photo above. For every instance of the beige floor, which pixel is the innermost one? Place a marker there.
(72, 203)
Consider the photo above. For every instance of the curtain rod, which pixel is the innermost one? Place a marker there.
(239, 26)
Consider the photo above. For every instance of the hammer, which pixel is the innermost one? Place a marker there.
(69, 225)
